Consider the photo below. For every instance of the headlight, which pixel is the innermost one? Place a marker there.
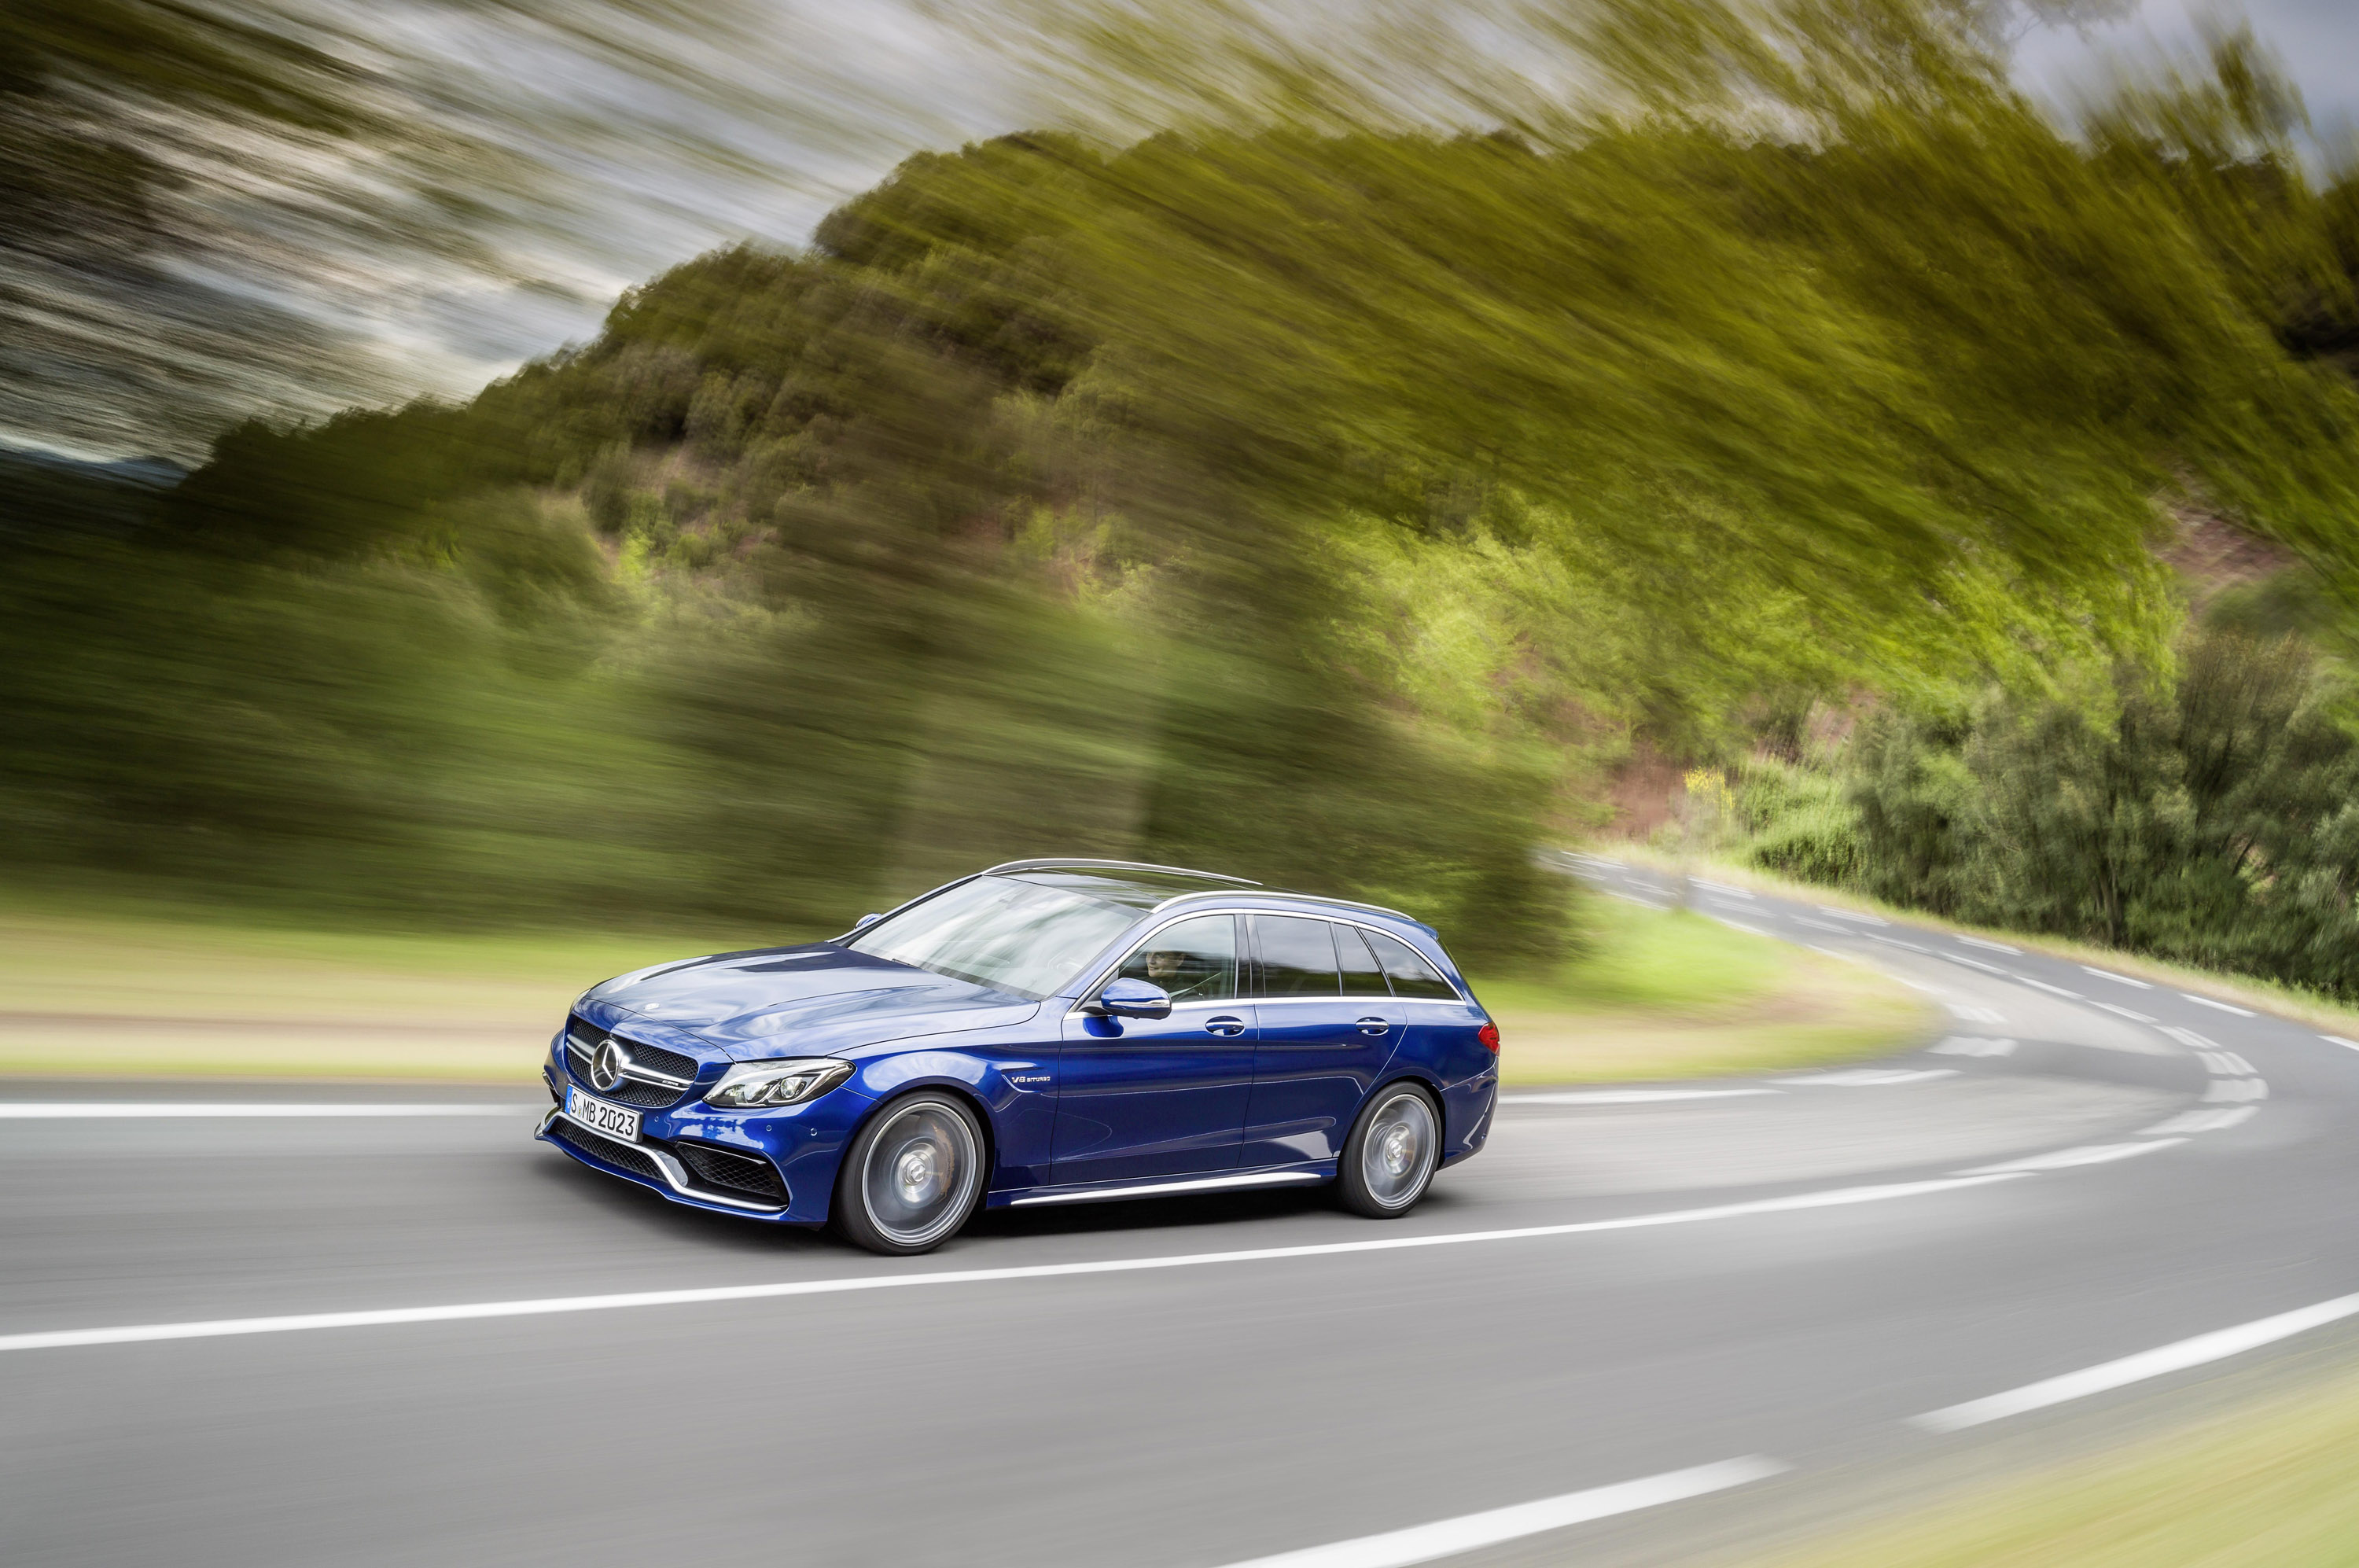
(751, 1084)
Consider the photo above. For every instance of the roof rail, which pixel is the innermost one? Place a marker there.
(1061, 864)
(1307, 897)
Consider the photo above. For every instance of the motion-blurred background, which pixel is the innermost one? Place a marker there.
(519, 466)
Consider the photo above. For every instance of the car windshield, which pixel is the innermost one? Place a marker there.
(997, 931)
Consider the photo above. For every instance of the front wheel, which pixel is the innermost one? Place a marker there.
(912, 1176)
(1388, 1162)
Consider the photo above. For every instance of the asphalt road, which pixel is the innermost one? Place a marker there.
(1737, 1291)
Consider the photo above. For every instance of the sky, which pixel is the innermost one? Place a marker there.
(2315, 43)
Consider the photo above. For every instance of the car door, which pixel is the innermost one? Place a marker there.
(1148, 1097)
(1328, 1026)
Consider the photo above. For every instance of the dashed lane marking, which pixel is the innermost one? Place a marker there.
(1854, 916)
(2201, 1121)
(1471, 1532)
(1871, 1077)
(2117, 979)
(2066, 1158)
(2223, 1006)
(2186, 1353)
(1974, 1045)
(1625, 1096)
(2338, 1039)
(1993, 946)
(2136, 1017)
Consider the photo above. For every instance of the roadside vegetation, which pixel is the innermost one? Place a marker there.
(1674, 995)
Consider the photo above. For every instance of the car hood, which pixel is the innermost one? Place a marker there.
(813, 1000)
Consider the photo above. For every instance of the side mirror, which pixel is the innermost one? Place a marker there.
(1133, 999)
(864, 921)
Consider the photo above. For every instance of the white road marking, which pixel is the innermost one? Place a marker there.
(1871, 1077)
(1723, 887)
(1817, 925)
(2117, 979)
(1853, 915)
(2125, 1012)
(2197, 1352)
(1975, 963)
(2231, 1089)
(2201, 1121)
(1974, 1045)
(1624, 1096)
(77, 1110)
(1896, 941)
(1471, 1532)
(2044, 985)
(2338, 1039)
(2223, 1006)
(2066, 1158)
(1976, 1015)
(2227, 1063)
(1993, 946)
(2190, 1038)
(133, 1334)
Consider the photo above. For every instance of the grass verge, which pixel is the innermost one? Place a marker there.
(1671, 995)
(112, 991)
(100, 991)
(2266, 1484)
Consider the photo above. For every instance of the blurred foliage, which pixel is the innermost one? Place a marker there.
(2211, 818)
(1302, 490)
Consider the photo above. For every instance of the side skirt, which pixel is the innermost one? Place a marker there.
(1173, 1187)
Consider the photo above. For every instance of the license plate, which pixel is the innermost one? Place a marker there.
(600, 1116)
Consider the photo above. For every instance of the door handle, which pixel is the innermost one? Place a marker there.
(1374, 1026)
(1224, 1025)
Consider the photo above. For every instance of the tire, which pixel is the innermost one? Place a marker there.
(1390, 1157)
(913, 1176)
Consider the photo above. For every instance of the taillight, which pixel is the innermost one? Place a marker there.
(1489, 1035)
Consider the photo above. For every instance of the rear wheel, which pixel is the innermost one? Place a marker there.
(1389, 1160)
(912, 1176)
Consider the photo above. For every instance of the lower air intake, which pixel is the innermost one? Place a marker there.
(738, 1173)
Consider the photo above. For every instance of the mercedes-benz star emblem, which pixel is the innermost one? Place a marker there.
(606, 1068)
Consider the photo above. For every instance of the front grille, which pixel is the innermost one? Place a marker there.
(655, 1058)
(630, 1091)
(597, 1145)
(581, 1043)
(726, 1168)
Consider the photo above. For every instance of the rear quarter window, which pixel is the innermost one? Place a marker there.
(1410, 975)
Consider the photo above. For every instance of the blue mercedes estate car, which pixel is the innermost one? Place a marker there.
(1048, 1031)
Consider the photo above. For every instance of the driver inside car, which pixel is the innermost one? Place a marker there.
(1168, 967)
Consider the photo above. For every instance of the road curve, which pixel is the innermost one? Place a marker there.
(286, 1325)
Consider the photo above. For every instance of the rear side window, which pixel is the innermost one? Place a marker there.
(1194, 959)
(1298, 956)
(1363, 976)
(1410, 975)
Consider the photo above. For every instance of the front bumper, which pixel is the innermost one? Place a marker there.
(665, 1167)
(710, 1158)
